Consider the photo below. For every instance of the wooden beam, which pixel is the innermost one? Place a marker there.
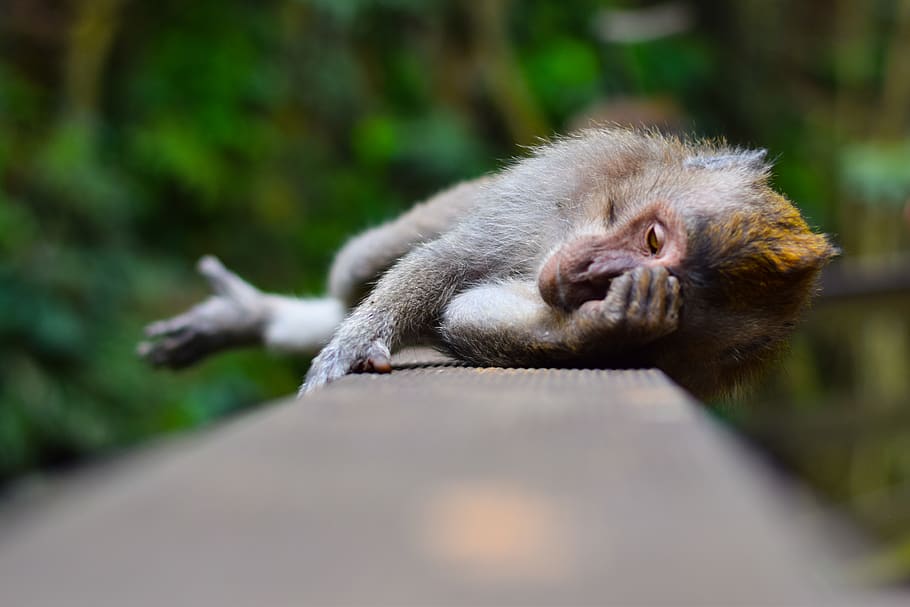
(434, 485)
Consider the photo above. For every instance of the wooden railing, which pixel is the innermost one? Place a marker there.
(437, 485)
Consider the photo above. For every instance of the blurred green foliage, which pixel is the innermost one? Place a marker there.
(136, 137)
(877, 172)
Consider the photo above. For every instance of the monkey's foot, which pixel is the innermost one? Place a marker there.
(234, 316)
(641, 306)
(338, 359)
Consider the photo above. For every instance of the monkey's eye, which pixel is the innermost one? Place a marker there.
(655, 239)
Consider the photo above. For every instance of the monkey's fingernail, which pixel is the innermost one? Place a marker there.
(380, 364)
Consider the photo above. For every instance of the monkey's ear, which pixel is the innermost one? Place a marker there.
(748, 159)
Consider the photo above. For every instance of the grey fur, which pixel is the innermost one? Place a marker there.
(753, 159)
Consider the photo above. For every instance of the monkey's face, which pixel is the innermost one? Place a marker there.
(635, 207)
(583, 268)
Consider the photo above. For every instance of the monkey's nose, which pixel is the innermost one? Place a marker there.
(581, 271)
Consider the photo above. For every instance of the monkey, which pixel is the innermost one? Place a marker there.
(611, 247)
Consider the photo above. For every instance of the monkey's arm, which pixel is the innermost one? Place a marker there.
(404, 307)
(238, 315)
(508, 324)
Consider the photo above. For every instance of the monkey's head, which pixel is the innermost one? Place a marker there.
(746, 260)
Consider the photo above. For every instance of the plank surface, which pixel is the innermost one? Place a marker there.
(432, 486)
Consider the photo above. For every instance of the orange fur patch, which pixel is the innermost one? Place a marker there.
(763, 251)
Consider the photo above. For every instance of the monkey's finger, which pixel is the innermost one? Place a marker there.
(203, 315)
(380, 364)
(173, 352)
(638, 297)
(673, 300)
(659, 274)
(169, 326)
(377, 360)
(373, 364)
(180, 350)
(144, 349)
(617, 300)
(380, 358)
(329, 365)
(657, 297)
(224, 282)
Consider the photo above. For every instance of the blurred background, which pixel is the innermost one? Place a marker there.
(137, 136)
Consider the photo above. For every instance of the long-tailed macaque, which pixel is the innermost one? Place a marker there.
(608, 248)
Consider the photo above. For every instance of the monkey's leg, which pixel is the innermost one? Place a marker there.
(508, 324)
(239, 315)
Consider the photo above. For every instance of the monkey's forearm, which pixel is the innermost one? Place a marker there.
(505, 324)
(508, 324)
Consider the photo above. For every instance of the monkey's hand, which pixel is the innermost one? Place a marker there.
(347, 353)
(508, 324)
(640, 306)
(235, 315)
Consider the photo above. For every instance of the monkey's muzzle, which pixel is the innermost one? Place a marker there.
(581, 271)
